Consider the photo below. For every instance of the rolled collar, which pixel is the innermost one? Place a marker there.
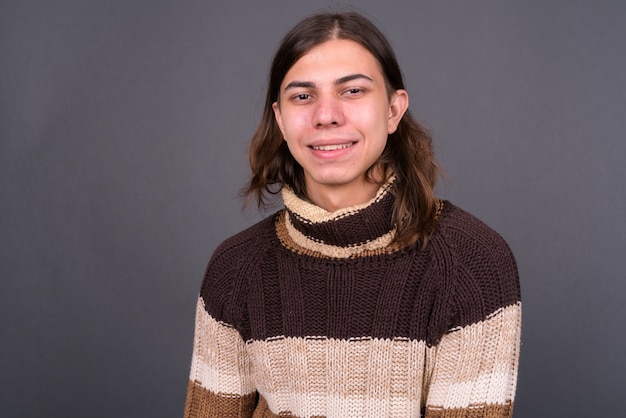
(343, 233)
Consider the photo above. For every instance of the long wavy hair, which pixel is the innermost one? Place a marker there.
(408, 152)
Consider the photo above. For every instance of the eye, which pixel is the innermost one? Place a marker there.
(354, 91)
(301, 97)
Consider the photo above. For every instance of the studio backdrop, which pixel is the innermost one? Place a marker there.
(123, 134)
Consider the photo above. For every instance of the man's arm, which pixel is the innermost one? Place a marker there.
(220, 382)
(475, 363)
(475, 370)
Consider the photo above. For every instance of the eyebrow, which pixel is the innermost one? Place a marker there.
(352, 77)
(339, 81)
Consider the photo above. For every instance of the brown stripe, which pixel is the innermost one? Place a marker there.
(204, 403)
(263, 411)
(473, 411)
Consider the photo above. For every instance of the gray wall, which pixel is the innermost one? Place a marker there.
(123, 129)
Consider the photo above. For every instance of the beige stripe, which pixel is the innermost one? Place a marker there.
(478, 363)
(314, 214)
(309, 375)
(220, 363)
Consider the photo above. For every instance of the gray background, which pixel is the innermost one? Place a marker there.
(124, 127)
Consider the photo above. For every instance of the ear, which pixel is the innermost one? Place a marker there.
(398, 105)
(278, 117)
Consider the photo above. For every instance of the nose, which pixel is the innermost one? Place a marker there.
(328, 112)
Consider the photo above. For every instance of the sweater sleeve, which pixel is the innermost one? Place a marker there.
(474, 365)
(220, 383)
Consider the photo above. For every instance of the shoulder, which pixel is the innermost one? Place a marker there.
(484, 268)
(225, 278)
(469, 236)
(250, 240)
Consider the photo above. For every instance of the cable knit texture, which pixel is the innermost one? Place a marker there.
(315, 314)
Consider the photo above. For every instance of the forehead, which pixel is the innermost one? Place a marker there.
(334, 58)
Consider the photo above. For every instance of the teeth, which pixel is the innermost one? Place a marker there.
(331, 147)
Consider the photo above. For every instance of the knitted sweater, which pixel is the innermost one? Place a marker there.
(314, 314)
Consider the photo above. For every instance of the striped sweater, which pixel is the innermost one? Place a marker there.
(316, 314)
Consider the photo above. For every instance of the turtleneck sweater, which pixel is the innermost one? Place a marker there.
(310, 313)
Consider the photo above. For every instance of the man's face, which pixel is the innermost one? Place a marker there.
(335, 114)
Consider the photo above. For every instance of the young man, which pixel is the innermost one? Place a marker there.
(366, 296)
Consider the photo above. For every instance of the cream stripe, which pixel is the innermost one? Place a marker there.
(314, 214)
(308, 375)
(335, 251)
(219, 361)
(478, 363)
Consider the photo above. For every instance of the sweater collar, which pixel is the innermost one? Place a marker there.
(344, 233)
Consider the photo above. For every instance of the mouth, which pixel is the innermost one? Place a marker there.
(332, 147)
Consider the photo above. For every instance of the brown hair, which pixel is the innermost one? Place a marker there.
(408, 152)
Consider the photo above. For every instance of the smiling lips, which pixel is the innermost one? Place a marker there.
(332, 147)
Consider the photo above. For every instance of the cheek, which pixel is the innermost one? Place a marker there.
(294, 123)
(374, 119)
